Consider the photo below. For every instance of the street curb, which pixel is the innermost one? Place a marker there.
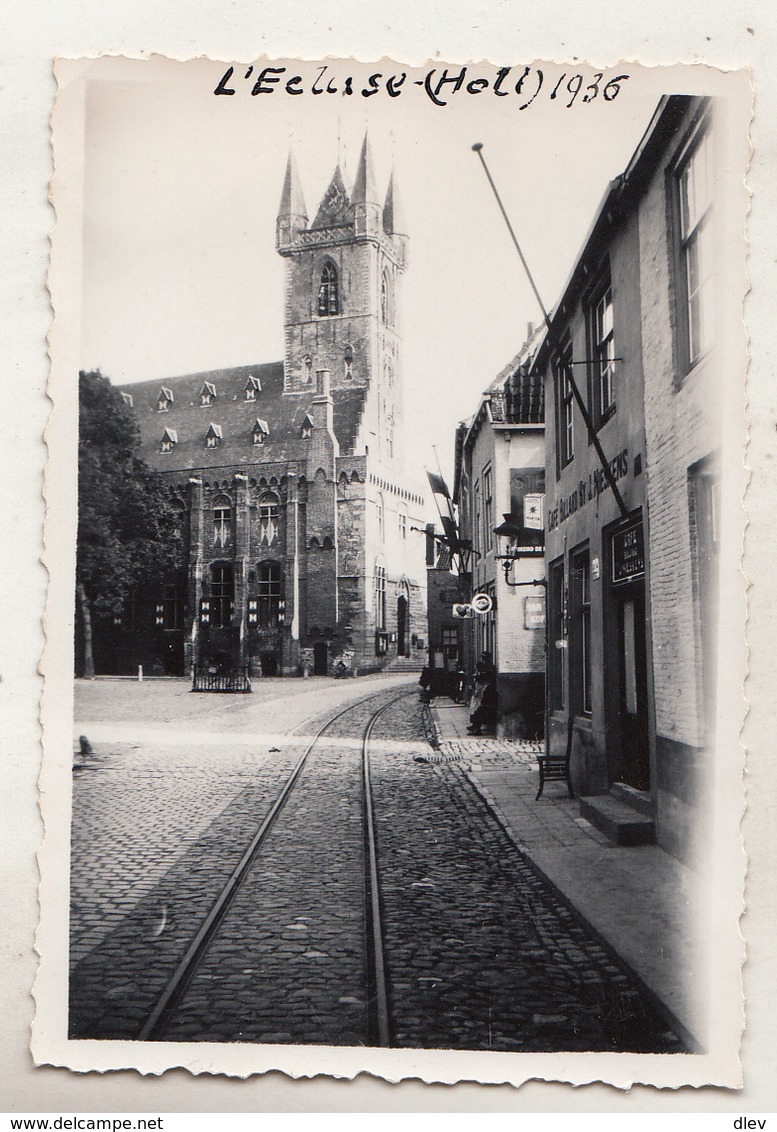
(692, 1043)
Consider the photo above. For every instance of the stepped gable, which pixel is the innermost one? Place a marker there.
(236, 417)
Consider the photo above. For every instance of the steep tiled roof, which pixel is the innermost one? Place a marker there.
(236, 417)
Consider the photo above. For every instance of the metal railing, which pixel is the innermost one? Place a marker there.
(206, 678)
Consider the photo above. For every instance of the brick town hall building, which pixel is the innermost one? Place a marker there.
(290, 476)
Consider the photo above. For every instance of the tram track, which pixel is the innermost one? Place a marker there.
(377, 1018)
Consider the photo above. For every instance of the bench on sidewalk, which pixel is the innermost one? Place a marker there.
(208, 678)
(554, 768)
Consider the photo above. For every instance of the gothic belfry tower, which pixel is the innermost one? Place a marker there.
(342, 274)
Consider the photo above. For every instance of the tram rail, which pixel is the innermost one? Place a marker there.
(377, 998)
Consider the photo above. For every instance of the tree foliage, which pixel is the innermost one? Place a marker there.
(128, 531)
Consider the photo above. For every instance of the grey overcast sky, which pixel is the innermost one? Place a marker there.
(181, 191)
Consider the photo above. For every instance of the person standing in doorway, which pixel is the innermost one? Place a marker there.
(484, 699)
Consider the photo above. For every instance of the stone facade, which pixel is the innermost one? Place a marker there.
(289, 477)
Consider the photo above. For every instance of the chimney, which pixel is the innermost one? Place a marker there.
(322, 383)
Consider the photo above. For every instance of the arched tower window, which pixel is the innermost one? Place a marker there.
(381, 518)
(386, 300)
(328, 294)
(269, 512)
(222, 520)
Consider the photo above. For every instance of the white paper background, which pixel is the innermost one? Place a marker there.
(729, 35)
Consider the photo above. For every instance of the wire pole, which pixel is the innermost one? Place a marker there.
(565, 366)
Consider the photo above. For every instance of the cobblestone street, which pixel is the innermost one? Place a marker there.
(480, 952)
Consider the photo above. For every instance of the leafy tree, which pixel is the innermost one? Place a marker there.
(128, 531)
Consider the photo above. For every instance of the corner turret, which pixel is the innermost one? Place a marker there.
(292, 214)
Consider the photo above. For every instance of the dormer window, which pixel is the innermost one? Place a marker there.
(164, 400)
(127, 398)
(213, 436)
(169, 440)
(306, 430)
(208, 393)
(253, 386)
(260, 431)
(348, 362)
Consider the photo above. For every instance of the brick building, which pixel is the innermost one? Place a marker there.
(500, 459)
(632, 582)
(290, 476)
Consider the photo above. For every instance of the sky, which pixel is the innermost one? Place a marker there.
(182, 186)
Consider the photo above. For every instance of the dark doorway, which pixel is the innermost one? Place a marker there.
(269, 663)
(402, 626)
(320, 659)
(632, 691)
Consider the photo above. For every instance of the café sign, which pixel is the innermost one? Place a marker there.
(628, 553)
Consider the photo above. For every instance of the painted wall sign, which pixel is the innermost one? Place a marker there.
(586, 490)
(628, 553)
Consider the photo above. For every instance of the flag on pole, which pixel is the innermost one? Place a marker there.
(438, 484)
(534, 512)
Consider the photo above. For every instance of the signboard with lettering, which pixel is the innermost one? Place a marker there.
(534, 612)
(628, 553)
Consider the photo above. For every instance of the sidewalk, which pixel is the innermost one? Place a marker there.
(644, 903)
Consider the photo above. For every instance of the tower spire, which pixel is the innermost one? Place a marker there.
(393, 213)
(292, 213)
(364, 191)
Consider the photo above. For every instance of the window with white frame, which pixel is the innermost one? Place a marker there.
(380, 597)
(269, 514)
(222, 595)
(222, 521)
(488, 510)
(695, 186)
(602, 345)
(269, 584)
(564, 398)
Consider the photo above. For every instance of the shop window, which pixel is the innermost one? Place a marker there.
(694, 191)
(222, 596)
(328, 295)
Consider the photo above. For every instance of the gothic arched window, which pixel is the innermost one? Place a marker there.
(386, 305)
(269, 512)
(380, 597)
(328, 296)
(222, 521)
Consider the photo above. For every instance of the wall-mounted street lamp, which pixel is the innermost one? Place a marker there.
(508, 534)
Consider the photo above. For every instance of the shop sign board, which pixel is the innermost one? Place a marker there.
(628, 553)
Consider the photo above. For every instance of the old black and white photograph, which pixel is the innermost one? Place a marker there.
(398, 609)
